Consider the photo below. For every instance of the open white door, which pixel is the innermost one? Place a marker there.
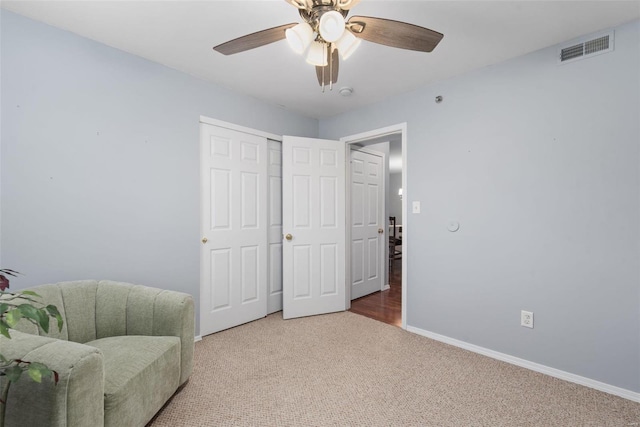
(368, 236)
(313, 216)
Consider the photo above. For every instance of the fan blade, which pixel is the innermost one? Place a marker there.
(251, 41)
(330, 70)
(394, 33)
(346, 4)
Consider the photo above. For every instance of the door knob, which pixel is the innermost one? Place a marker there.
(288, 237)
(380, 231)
(205, 240)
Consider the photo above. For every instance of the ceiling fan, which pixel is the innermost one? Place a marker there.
(325, 32)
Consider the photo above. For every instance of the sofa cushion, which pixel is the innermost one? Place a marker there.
(141, 373)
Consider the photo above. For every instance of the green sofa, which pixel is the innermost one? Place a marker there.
(122, 353)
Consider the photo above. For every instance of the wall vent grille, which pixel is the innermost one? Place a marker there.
(596, 45)
(586, 47)
(572, 52)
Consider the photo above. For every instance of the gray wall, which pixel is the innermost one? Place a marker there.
(100, 159)
(539, 163)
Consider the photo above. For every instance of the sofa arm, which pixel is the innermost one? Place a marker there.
(152, 311)
(77, 399)
(174, 316)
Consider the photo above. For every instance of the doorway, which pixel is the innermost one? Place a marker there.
(389, 304)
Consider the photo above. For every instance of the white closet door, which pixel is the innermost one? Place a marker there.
(234, 228)
(313, 194)
(274, 298)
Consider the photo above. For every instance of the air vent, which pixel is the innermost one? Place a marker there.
(572, 52)
(586, 47)
(596, 45)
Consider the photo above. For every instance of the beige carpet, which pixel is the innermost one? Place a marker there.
(346, 370)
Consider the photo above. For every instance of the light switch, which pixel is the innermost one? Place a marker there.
(416, 207)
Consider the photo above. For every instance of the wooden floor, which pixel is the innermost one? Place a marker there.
(385, 306)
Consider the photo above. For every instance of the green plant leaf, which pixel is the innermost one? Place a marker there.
(4, 308)
(13, 317)
(37, 371)
(35, 374)
(13, 373)
(23, 298)
(34, 314)
(44, 320)
(53, 311)
(31, 293)
(4, 329)
(29, 311)
(3, 359)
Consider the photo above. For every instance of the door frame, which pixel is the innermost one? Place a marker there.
(376, 134)
(232, 126)
(384, 248)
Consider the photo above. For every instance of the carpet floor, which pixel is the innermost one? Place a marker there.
(347, 370)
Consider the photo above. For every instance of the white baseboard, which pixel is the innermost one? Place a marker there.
(197, 338)
(577, 379)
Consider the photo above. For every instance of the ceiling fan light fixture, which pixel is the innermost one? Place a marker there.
(347, 44)
(317, 54)
(331, 26)
(299, 37)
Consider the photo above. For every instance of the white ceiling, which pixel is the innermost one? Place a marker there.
(181, 34)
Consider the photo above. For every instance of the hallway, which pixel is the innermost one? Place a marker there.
(385, 306)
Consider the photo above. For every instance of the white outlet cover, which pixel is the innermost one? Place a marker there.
(526, 319)
(416, 207)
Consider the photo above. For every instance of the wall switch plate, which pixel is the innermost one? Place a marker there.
(526, 319)
(416, 207)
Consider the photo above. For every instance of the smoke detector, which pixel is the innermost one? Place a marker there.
(345, 91)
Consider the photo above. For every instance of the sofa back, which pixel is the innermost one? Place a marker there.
(94, 309)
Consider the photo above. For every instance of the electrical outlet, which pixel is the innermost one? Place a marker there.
(416, 207)
(526, 319)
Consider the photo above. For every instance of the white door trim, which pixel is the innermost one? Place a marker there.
(232, 126)
(400, 128)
